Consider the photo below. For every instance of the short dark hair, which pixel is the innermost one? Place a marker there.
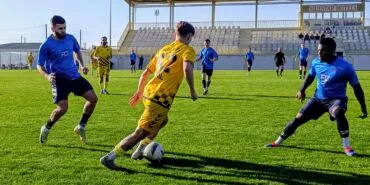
(329, 42)
(104, 37)
(207, 40)
(57, 19)
(183, 28)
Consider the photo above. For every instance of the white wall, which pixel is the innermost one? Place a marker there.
(360, 62)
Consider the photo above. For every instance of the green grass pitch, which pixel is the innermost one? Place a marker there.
(217, 139)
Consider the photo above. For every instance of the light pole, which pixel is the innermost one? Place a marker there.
(156, 14)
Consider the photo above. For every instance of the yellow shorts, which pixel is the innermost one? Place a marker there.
(94, 65)
(154, 117)
(103, 71)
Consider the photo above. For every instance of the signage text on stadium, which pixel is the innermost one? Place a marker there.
(334, 8)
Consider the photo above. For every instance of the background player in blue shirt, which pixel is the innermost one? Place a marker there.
(332, 74)
(249, 58)
(208, 56)
(133, 61)
(56, 64)
(303, 53)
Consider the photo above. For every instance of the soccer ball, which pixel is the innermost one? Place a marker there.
(154, 152)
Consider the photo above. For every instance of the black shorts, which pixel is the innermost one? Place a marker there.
(250, 62)
(303, 63)
(279, 63)
(209, 72)
(133, 62)
(315, 108)
(63, 86)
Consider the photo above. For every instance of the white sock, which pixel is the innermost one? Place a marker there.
(112, 155)
(140, 148)
(345, 141)
(279, 140)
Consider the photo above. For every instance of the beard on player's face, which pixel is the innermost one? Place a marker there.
(60, 35)
(325, 53)
(59, 31)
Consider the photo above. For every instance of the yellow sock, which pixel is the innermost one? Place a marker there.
(101, 86)
(105, 85)
(118, 150)
(145, 141)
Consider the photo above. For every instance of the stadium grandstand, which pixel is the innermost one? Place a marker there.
(343, 20)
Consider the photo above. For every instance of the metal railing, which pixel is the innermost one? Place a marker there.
(228, 24)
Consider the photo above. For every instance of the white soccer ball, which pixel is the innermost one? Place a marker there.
(154, 152)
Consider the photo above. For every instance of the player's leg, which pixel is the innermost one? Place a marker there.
(204, 78)
(300, 71)
(209, 76)
(143, 143)
(337, 111)
(60, 91)
(249, 65)
(312, 110)
(58, 112)
(81, 87)
(304, 70)
(149, 124)
(106, 81)
(281, 70)
(277, 70)
(126, 144)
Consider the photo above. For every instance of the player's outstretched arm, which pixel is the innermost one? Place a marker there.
(84, 69)
(42, 71)
(359, 93)
(140, 88)
(301, 95)
(188, 73)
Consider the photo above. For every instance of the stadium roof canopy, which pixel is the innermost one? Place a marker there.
(20, 46)
(236, 2)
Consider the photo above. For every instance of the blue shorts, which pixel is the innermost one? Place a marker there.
(303, 63)
(250, 62)
(315, 108)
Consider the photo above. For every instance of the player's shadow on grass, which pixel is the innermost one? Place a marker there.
(322, 150)
(264, 96)
(78, 148)
(215, 98)
(242, 169)
(120, 94)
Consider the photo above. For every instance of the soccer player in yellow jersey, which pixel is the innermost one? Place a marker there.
(170, 65)
(103, 54)
(30, 61)
(94, 62)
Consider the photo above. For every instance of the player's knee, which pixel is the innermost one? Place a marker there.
(337, 112)
(62, 108)
(140, 134)
(93, 99)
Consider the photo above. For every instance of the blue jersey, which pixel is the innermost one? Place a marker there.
(332, 78)
(303, 53)
(133, 56)
(249, 56)
(206, 54)
(57, 56)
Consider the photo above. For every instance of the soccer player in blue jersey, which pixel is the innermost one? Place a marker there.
(133, 61)
(303, 53)
(55, 63)
(332, 74)
(208, 56)
(249, 58)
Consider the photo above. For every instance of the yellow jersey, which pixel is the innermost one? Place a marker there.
(167, 65)
(104, 52)
(30, 59)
